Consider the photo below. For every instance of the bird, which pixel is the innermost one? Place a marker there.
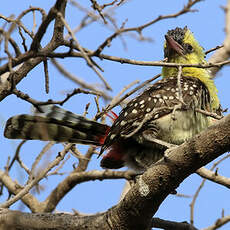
(166, 112)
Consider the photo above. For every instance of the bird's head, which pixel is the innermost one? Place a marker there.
(182, 47)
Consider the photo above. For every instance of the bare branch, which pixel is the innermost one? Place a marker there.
(213, 49)
(30, 63)
(76, 178)
(39, 177)
(224, 53)
(167, 225)
(219, 223)
(84, 54)
(45, 64)
(212, 176)
(192, 204)
(78, 80)
(38, 159)
(149, 191)
(14, 188)
(110, 106)
(36, 103)
(186, 9)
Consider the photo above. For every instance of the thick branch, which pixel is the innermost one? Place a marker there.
(136, 209)
(78, 177)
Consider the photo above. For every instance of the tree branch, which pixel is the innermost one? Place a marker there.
(222, 54)
(150, 190)
(213, 176)
(16, 76)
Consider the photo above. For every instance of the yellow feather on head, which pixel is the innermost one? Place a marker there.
(189, 51)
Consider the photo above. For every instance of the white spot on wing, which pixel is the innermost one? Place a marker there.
(112, 136)
(142, 102)
(136, 123)
(156, 116)
(123, 123)
(148, 110)
(134, 111)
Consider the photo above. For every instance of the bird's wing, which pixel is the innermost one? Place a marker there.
(155, 102)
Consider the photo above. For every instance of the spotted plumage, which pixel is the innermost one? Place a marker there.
(160, 95)
(158, 101)
(166, 112)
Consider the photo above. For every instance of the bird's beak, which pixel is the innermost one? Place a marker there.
(175, 46)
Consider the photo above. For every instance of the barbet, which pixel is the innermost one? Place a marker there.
(166, 112)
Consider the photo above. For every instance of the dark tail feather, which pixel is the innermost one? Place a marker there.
(75, 129)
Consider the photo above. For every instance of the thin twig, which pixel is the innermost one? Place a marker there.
(186, 9)
(37, 160)
(39, 177)
(98, 8)
(77, 80)
(179, 84)
(84, 54)
(16, 154)
(117, 97)
(45, 63)
(111, 106)
(36, 103)
(56, 171)
(218, 223)
(214, 115)
(23, 165)
(192, 204)
(213, 49)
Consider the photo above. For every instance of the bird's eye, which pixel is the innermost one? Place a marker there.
(189, 47)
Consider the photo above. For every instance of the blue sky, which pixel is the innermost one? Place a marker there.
(208, 26)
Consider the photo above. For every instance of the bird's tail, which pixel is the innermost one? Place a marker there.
(52, 123)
